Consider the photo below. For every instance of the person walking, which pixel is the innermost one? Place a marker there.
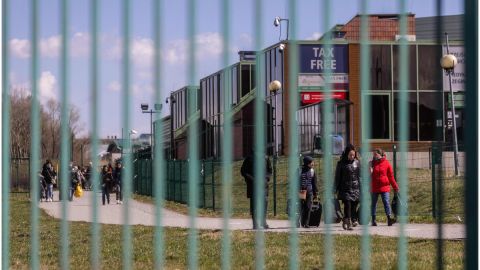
(248, 172)
(347, 184)
(308, 182)
(107, 179)
(117, 176)
(382, 178)
(48, 175)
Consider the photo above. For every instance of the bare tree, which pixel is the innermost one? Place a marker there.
(50, 118)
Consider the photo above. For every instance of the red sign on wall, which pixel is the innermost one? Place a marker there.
(314, 97)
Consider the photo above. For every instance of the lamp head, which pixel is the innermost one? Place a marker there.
(281, 47)
(276, 22)
(448, 61)
(133, 131)
(274, 86)
(144, 106)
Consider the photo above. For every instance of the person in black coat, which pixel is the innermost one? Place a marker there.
(117, 175)
(347, 183)
(248, 172)
(49, 175)
(308, 182)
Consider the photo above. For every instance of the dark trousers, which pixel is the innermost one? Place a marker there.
(105, 193)
(349, 208)
(306, 209)
(263, 218)
(118, 193)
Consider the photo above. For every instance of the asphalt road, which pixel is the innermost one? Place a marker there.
(80, 209)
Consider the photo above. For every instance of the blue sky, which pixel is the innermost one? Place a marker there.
(174, 56)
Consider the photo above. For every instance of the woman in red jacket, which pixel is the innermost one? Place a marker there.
(382, 178)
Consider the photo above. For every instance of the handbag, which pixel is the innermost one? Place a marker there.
(302, 194)
(78, 191)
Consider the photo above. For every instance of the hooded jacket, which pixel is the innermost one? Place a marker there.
(382, 176)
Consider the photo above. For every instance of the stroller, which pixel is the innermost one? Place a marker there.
(42, 188)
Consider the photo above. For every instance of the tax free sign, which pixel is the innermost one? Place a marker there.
(316, 58)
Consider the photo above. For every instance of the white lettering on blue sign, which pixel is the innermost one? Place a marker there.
(323, 52)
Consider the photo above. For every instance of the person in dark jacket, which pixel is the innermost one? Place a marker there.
(48, 175)
(248, 172)
(382, 178)
(117, 175)
(308, 182)
(107, 182)
(347, 184)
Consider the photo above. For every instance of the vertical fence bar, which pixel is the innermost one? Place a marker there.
(403, 135)
(65, 137)
(127, 184)
(365, 130)
(158, 162)
(94, 175)
(5, 139)
(227, 141)
(293, 160)
(193, 167)
(471, 176)
(327, 142)
(34, 140)
(259, 139)
(439, 138)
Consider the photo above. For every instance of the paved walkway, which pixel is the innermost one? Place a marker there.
(143, 214)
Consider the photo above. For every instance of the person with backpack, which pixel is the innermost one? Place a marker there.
(308, 183)
(248, 172)
(347, 184)
(382, 178)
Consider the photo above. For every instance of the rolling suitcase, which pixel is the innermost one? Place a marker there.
(315, 214)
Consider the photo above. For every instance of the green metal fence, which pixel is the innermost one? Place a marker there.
(190, 179)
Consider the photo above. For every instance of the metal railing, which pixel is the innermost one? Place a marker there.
(191, 176)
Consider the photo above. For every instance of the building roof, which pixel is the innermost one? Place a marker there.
(425, 27)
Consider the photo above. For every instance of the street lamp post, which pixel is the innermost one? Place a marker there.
(274, 86)
(277, 21)
(448, 63)
(172, 143)
(157, 109)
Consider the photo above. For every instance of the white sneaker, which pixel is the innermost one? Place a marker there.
(120, 202)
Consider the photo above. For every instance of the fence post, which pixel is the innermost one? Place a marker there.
(394, 161)
(275, 185)
(203, 188)
(213, 186)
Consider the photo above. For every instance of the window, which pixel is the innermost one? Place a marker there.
(412, 118)
(245, 79)
(381, 73)
(429, 70)
(412, 67)
(428, 104)
(380, 117)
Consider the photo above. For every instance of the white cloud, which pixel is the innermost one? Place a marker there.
(314, 36)
(80, 44)
(50, 47)
(142, 52)
(20, 48)
(114, 86)
(47, 85)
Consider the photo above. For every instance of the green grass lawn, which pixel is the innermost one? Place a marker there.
(419, 201)
(421, 253)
